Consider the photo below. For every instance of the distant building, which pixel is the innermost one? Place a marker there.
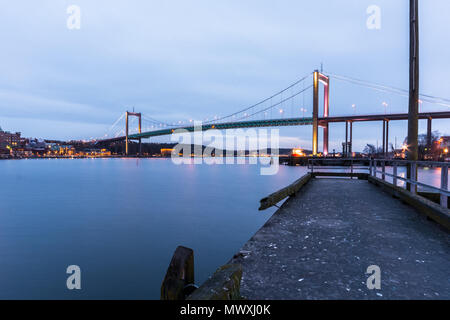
(445, 142)
(9, 140)
(444, 147)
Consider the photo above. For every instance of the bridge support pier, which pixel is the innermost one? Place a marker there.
(345, 149)
(350, 146)
(385, 138)
(429, 128)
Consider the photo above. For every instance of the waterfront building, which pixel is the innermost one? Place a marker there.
(9, 140)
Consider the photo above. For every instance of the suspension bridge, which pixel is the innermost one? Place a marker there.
(284, 108)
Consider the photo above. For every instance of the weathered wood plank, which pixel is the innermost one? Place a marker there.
(276, 197)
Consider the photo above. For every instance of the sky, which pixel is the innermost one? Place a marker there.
(178, 60)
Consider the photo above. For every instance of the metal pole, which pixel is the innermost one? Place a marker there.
(315, 141)
(413, 122)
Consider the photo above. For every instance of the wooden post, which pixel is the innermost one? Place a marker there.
(394, 180)
(444, 185)
(413, 119)
(179, 274)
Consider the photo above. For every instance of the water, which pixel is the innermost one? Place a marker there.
(120, 220)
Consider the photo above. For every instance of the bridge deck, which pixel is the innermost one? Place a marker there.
(321, 241)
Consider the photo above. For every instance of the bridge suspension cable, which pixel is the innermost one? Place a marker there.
(263, 101)
(390, 89)
(276, 104)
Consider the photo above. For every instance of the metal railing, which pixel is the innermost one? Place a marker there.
(413, 180)
(351, 164)
(374, 165)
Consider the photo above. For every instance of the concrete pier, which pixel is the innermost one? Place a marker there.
(319, 244)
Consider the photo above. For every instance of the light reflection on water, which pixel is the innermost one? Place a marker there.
(121, 219)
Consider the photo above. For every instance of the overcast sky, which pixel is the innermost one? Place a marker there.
(178, 60)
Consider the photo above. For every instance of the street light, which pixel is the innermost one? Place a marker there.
(303, 110)
(385, 105)
(354, 108)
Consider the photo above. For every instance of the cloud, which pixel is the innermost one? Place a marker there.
(179, 60)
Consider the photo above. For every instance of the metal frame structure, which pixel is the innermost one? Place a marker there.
(414, 165)
(373, 171)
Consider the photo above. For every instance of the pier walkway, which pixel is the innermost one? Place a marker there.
(319, 244)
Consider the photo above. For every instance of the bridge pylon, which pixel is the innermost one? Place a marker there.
(135, 114)
(320, 78)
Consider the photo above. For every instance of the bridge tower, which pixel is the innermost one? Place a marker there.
(319, 77)
(128, 114)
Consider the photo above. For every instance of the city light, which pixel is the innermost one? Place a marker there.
(297, 152)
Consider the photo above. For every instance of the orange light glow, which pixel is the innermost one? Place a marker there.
(297, 152)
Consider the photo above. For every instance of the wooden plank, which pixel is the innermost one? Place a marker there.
(276, 197)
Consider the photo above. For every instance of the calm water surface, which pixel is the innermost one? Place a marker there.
(121, 219)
